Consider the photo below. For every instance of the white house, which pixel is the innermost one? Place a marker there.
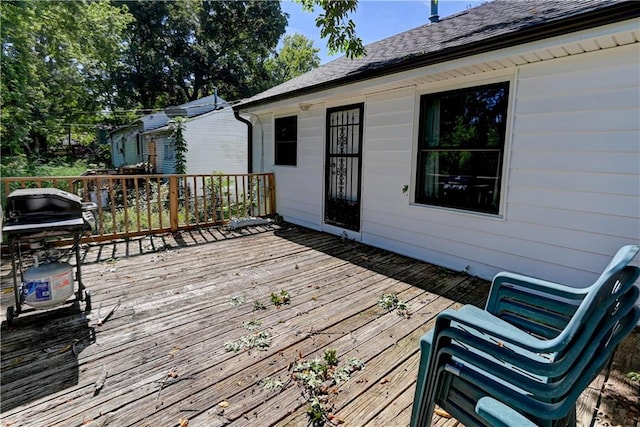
(505, 137)
(216, 140)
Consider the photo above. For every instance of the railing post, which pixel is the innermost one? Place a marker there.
(173, 202)
(272, 194)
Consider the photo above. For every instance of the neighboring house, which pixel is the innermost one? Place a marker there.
(505, 137)
(126, 141)
(216, 141)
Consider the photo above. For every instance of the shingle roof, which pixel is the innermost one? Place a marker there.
(496, 24)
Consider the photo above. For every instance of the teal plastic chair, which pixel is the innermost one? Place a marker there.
(538, 326)
(509, 381)
(501, 363)
(477, 397)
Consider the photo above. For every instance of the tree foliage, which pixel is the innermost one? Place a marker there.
(179, 51)
(297, 56)
(85, 62)
(336, 27)
(54, 55)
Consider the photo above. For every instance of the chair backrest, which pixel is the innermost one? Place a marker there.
(601, 301)
(622, 258)
(614, 281)
(516, 303)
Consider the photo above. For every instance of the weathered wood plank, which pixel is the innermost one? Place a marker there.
(330, 313)
(358, 402)
(167, 367)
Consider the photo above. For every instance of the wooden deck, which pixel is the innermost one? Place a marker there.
(160, 358)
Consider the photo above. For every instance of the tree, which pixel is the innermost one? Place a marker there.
(296, 57)
(335, 25)
(180, 51)
(72, 63)
(52, 70)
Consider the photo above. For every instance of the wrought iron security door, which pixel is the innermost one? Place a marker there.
(343, 166)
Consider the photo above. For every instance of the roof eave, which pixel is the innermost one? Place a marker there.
(595, 18)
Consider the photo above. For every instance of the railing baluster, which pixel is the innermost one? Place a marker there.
(147, 196)
(221, 198)
(160, 207)
(205, 216)
(185, 194)
(137, 201)
(196, 212)
(112, 196)
(173, 202)
(125, 205)
(244, 196)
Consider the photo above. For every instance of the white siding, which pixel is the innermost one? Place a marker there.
(299, 196)
(217, 143)
(571, 195)
(575, 168)
(262, 143)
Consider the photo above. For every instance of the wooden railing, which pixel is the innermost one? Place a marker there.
(134, 205)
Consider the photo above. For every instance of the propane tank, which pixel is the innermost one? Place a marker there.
(47, 285)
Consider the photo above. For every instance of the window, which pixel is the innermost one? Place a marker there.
(461, 148)
(169, 151)
(286, 140)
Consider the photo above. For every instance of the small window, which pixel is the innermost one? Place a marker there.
(286, 140)
(461, 148)
(169, 151)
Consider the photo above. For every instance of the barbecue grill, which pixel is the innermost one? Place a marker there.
(36, 218)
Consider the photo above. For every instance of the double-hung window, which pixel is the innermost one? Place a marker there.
(286, 140)
(461, 148)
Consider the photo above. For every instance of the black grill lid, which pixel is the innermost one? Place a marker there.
(43, 203)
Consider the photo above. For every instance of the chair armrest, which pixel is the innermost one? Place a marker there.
(502, 332)
(498, 414)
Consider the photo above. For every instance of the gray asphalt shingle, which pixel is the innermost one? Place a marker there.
(485, 24)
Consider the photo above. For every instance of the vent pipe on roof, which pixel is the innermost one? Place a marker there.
(434, 11)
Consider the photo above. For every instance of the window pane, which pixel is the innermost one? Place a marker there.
(462, 179)
(286, 153)
(470, 118)
(286, 136)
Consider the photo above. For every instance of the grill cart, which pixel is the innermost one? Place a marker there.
(36, 218)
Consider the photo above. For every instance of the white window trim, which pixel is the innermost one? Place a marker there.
(273, 138)
(510, 76)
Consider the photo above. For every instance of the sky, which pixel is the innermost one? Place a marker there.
(374, 19)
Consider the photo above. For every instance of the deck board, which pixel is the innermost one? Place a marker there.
(162, 351)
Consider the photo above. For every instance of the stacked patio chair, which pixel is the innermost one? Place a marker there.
(526, 358)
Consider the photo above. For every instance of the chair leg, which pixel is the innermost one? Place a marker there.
(421, 383)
